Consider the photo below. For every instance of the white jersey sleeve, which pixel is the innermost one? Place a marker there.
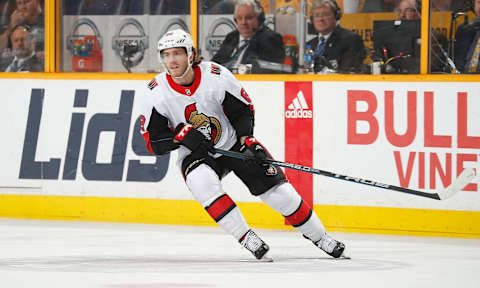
(233, 87)
(148, 103)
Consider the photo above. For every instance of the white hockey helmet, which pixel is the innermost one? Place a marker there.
(174, 39)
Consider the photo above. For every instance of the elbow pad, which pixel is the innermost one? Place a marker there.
(240, 115)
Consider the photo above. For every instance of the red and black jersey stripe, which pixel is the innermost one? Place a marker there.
(152, 84)
(215, 69)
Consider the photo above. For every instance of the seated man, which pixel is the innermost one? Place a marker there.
(251, 41)
(27, 12)
(411, 10)
(24, 58)
(335, 47)
(401, 51)
(467, 44)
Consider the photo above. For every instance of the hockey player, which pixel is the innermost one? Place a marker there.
(195, 106)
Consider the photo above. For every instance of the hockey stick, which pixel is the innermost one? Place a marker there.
(463, 179)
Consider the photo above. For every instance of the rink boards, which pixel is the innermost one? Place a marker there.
(71, 150)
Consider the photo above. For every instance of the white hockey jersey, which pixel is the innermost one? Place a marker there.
(199, 104)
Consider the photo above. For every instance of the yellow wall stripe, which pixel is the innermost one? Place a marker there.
(380, 220)
(256, 77)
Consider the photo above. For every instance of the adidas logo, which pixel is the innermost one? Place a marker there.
(298, 108)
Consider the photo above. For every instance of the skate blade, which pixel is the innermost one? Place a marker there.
(343, 256)
(265, 259)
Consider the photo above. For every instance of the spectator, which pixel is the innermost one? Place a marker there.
(251, 41)
(467, 44)
(6, 9)
(27, 12)
(411, 10)
(24, 58)
(378, 6)
(408, 10)
(335, 47)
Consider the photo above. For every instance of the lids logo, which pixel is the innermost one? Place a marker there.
(82, 153)
(299, 108)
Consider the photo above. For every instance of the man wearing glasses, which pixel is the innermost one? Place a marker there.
(335, 48)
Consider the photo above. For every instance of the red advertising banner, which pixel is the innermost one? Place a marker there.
(299, 135)
(434, 167)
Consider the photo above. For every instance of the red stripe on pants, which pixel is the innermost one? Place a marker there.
(146, 136)
(300, 216)
(220, 207)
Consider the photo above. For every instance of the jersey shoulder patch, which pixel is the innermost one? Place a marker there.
(214, 69)
(152, 84)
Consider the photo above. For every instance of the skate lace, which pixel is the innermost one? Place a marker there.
(327, 243)
(252, 242)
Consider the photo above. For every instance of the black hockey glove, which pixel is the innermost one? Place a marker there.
(193, 139)
(252, 147)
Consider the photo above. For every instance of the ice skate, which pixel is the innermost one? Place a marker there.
(331, 246)
(254, 244)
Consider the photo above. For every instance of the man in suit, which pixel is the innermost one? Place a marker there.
(412, 10)
(467, 44)
(335, 47)
(27, 12)
(251, 41)
(24, 58)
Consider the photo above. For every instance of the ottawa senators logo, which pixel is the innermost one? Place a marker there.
(209, 126)
(271, 170)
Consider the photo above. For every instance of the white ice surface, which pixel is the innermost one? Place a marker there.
(40, 254)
